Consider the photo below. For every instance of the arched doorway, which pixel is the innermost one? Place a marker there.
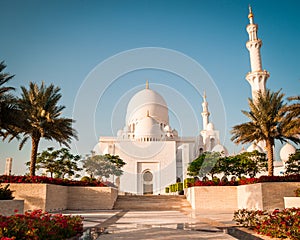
(147, 182)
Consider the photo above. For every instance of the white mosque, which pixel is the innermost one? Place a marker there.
(155, 155)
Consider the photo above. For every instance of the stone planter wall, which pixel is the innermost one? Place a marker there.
(216, 198)
(291, 202)
(264, 196)
(50, 197)
(91, 197)
(8, 207)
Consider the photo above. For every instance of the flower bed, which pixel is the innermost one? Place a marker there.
(42, 179)
(279, 224)
(39, 225)
(245, 181)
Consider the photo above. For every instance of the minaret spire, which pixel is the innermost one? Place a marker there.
(257, 77)
(250, 15)
(147, 84)
(205, 113)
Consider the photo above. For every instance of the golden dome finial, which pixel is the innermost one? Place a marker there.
(250, 15)
(147, 84)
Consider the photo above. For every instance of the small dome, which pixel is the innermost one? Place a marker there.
(286, 151)
(175, 133)
(254, 147)
(210, 126)
(145, 101)
(221, 149)
(148, 127)
(167, 128)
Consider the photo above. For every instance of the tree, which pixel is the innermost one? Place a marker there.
(267, 122)
(103, 165)
(58, 162)
(246, 163)
(41, 118)
(207, 163)
(8, 111)
(293, 115)
(292, 165)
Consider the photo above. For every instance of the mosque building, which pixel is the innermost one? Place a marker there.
(155, 154)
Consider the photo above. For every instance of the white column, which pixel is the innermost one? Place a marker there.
(8, 166)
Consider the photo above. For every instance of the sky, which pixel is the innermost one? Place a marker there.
(100, 53)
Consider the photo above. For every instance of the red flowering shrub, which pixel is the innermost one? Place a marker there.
(279, 224)
(42, 179)
(38, 225)
(244, 181)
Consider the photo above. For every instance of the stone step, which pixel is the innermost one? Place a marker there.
(152, 203)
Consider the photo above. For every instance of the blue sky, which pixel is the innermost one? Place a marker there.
(64, 42)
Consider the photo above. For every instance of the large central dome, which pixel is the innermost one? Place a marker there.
(147, 102)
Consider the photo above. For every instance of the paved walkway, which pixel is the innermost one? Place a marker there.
(112, 224)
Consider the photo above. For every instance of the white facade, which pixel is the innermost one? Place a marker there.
(155, 155)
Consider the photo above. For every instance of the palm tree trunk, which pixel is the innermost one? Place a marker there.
(269, 147)
(34, 149)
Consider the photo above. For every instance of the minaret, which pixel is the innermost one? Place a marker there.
(205, 114)
(257, 77)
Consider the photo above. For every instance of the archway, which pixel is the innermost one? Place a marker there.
(147, 182)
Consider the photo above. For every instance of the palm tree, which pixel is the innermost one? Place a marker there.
(293, 115)
(268, 121)
(41, 118)
(7, 107)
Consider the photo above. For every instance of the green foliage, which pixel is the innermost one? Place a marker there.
(179, 186)
(8, 111)
(246, 163)
(6, 193)
(87, 179)
(167, 189)
(176, 187)
(292, 166)
(41, 118)
(268, 121)
(58, 163)
(243, 164)
(103, 165)
(188, 181)
(207, 163)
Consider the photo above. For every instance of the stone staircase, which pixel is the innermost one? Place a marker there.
(152, 203)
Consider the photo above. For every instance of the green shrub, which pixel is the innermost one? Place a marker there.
(179, 186)
(188, 181)
(167, 190)
(6, 193)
